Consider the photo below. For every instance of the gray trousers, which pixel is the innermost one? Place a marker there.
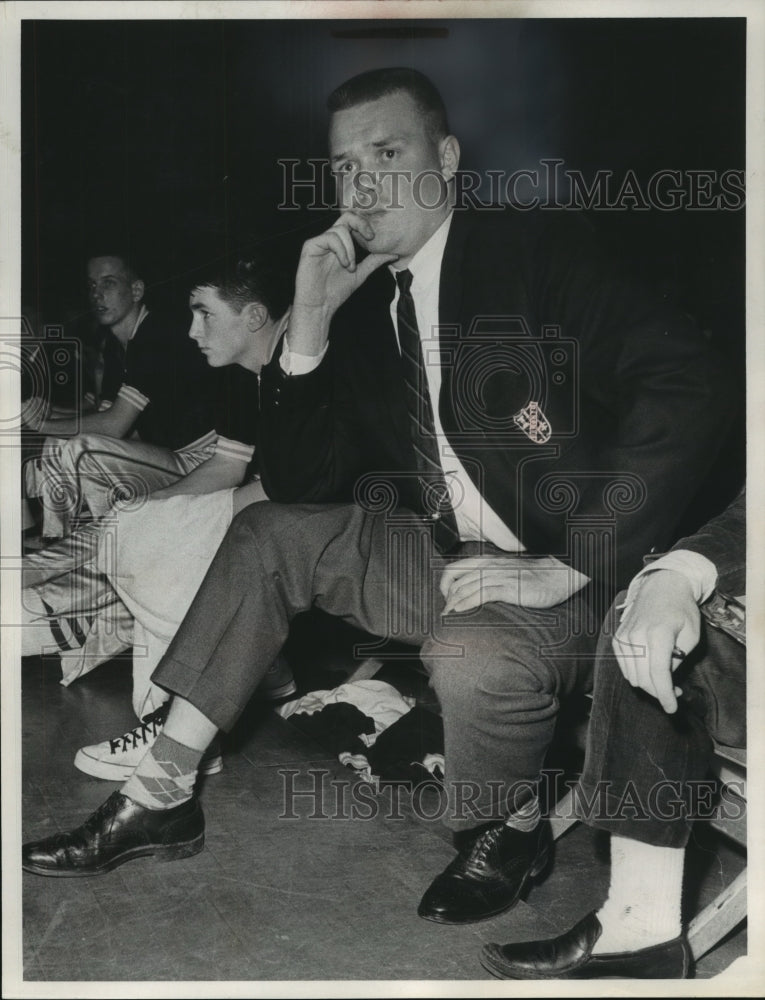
(499, 673)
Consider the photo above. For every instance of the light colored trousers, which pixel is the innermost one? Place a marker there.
(125, 580)
(93, 471)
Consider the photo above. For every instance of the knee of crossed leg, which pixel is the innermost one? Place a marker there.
(260, 519)
(491, 668)
(104, 474)
(290, 526)
(80, 454)
(259, 528)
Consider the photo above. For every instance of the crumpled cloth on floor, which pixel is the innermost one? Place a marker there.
(374, 730)
(340, 727)
(377, 699)
(412, 749)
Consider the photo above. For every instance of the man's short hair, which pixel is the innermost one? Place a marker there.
(377, 83)
(134, 267)
(249, 279)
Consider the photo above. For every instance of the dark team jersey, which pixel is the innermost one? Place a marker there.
(169, 381)
(113, 359)
(236, 417)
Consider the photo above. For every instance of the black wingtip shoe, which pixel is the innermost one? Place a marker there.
(118, 831)
(488, 876)
(570, 957)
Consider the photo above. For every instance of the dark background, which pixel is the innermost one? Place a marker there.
(163, 137)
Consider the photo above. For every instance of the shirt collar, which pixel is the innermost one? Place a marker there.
(426, 263)
(143, 313)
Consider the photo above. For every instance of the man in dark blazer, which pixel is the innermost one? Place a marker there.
(550, 424)
(670, 672)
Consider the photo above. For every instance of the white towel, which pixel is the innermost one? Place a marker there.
(156, 559)
(158, 555)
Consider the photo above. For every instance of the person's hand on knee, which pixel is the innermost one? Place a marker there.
(528, 582)
(660, 626)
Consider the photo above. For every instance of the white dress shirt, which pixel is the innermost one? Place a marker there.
(476, 520)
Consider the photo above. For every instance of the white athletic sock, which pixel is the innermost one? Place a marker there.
(643, 904)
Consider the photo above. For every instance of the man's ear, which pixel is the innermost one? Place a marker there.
(449, 155)
(137, 290)
(255, 316)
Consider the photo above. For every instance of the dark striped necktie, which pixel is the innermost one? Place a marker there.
(435, 502)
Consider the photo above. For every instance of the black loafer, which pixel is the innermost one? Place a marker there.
(118, 831)
(488, 876)
(570, 957)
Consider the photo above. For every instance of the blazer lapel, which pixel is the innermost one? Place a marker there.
(450, 290)
(450, 296)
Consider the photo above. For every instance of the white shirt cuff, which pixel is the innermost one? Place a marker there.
(299, 364)
(699, 571)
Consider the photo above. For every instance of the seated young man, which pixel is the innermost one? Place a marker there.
(676, 672)
(153, 556)
(155, 431)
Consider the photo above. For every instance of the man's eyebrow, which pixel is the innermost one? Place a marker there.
(376, 144)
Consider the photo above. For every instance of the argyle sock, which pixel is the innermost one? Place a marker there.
(526, 818)
(165, 776)
(643, 904)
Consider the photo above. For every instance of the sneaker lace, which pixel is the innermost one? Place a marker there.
(148, 728)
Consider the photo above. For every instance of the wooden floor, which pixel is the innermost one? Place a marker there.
(273, 898)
